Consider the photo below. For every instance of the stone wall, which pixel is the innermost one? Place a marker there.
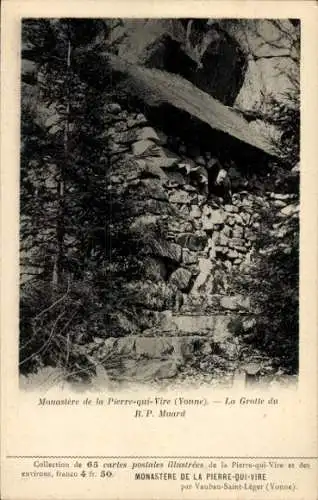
(192, 244)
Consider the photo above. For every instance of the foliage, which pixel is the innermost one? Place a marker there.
(286, 116)
(52, 333)
(69, 214)
(273, 280)
(65, 211)
(272, 283)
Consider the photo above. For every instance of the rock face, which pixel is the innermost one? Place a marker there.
(258, 57)
(244, 64)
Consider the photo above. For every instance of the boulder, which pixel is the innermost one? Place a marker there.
(289, 210)
(239, 217)
(282, 196)
(279, 203)
(248, 324)
(188, 166)
(145, 370)
(229, 350)
(182, 210)
(229, 303)
(175, 179)
(120, 127)
(207, 223)
(232, 254)
(189, 257)
(139, 121)
(196, 225)
(116, 179)
(157, 370)
(212, 218)
(195, 212)
(145, 147)
(227, 231)
(215, 326)
(217, 216)
(223, 240)
(181, 278)
(153, 347)
(182, 197)
(193, 242)
(151, 206)
(154, 171)
(164, 159)
(238, 232)
(228, 265)
(259, 56)
(244, 217)
(231, 208)
(221, 250)
(162, 248)
(152, 188)
(126, 137)
(247, 203)
(235, 302)
(252, 369)
(148, 133)
(250, 235)
(244, 302)
(189, 188)
(236, 242)
(176, 225)
(112, 108)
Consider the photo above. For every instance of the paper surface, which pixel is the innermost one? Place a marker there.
(261, 443)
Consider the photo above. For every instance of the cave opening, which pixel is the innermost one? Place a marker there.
(222, 64)
(200, 137)
(222, 70)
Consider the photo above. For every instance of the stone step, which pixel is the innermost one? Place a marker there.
(216, 326)
(150, 358)
(162, 347)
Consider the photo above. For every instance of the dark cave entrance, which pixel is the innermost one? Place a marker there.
(222, 70)
(253, 168)
(202, 138)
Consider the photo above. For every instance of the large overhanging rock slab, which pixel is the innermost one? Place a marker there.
(237, 61)
(155, 87)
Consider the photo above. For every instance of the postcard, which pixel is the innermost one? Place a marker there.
(159, 250)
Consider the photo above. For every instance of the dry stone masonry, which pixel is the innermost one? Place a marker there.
(192, 244)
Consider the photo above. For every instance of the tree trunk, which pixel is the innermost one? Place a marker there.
(60, 226)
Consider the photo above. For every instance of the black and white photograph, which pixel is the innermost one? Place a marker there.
(159, 202)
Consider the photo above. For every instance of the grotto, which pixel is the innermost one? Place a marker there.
(191, 183)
